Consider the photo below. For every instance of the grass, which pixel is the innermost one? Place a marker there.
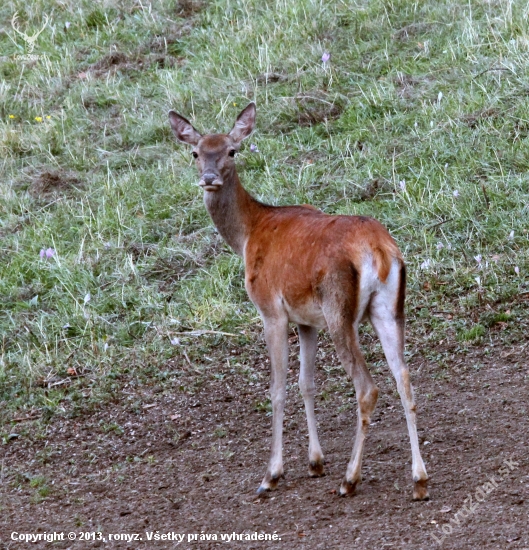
(419, 119)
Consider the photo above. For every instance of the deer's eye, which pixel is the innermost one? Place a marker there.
(195, 154)
(232, 153)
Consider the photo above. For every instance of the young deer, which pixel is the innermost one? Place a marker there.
(318, 271)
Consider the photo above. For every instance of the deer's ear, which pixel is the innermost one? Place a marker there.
(244, 124)
(183, 129)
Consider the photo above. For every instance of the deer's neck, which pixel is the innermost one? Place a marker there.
(233, 211)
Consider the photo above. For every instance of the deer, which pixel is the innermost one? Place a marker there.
(318, 271)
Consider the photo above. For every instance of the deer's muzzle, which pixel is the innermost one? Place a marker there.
(210, 182)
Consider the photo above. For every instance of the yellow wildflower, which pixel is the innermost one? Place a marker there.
(48, 117)
(38, 118)
(234, 104)
(11, 116)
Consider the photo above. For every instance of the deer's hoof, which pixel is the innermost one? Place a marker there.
(348, 488)
(420, 490)
(269, 484)
(316, 468)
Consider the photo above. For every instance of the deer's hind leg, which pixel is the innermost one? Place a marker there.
(343, 311)
(308, 342)
(366, 395)
(386, 313)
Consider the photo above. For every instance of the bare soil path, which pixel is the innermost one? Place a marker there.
(172, 460)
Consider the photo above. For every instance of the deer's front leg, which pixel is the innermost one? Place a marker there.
(276, 335)
(308, 343)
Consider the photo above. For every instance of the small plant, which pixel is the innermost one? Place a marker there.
(325, 395)
(42, 489)
(37, 481)
(491, 319)
(474, 333)
(264, 406)
(78, 520)
(96, 19)
(220, 432)
(112, 427)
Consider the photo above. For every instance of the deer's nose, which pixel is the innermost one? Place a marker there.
(209, 178)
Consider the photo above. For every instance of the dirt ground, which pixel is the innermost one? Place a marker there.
(169, 459)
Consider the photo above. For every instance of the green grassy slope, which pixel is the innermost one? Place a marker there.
(420, 119)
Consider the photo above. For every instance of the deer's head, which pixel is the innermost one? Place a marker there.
(214, 153)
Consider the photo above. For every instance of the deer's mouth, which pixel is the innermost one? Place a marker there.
(214, 185)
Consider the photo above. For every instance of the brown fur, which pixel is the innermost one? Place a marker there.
(325, 240)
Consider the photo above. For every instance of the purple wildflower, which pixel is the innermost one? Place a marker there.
(47, 253)
(325, 57)
(253, 148)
